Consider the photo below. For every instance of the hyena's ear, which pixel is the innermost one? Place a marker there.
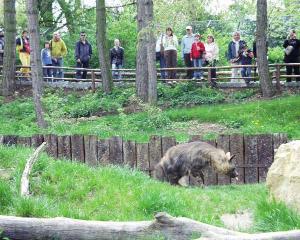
(232, 157)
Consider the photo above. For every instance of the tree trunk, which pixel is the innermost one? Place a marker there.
(261, 46)
(146, 79)
(9, 67)
(106, 75)
(152, 73)
(35, 60)
(163, 227)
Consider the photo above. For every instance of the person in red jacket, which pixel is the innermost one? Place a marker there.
(197, 53)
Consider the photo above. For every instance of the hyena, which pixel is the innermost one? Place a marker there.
(189, 159)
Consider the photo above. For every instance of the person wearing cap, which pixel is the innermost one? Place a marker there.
(186, 45)
(234, 52)
(23, 48)
(196, 56)
(1, 47)
(58, 52)
(170, 43)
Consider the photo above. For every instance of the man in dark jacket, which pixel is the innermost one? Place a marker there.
(117, 59)
(83, 53)
(234, 52)
(292, 55)
(1, 48)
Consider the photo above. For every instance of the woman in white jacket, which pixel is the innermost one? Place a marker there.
(211, 57)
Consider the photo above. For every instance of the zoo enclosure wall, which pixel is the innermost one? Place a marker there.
(254, 153)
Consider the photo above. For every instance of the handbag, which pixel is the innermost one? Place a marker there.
(288, 50)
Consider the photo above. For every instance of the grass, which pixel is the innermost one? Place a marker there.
(62, 188)
(249, 117)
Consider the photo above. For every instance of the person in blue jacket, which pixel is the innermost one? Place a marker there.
(46, 61)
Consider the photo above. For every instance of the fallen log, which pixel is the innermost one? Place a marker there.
(164, 226)
(26, 173)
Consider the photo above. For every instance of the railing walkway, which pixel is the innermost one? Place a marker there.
(223, 79)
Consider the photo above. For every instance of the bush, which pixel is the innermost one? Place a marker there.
(74, 105)
(188, 94)
(275, 55)
(242, 94)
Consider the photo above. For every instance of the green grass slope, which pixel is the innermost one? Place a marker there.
(62, 188)
(259, 116)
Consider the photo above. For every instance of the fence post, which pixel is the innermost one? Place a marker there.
(93, 81)
(209, 75)
(277, 78)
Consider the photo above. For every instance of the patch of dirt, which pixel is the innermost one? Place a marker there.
(241, 221)
(5, 174)
(196, 128)
(22, 91)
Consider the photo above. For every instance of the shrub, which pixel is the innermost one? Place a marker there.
(243, 94)
(275, 54)
(187, 94)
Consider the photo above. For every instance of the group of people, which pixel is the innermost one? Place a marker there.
(54, 51)
(196, 53)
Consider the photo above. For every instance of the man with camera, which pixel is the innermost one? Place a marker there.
(234, 52)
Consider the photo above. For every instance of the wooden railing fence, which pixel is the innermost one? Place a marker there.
(277, 73)
(254, 153)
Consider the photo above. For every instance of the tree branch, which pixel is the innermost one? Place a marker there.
(28, 167)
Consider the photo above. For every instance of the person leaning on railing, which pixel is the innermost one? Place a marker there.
(292, 55)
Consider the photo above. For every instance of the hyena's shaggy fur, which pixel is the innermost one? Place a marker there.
(190, 159)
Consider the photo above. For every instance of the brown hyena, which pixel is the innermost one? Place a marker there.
(189, 159)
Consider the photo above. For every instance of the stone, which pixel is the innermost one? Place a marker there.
(240, 221)
(283, 177)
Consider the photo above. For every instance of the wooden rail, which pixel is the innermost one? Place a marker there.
(254, 153)
(128, 74)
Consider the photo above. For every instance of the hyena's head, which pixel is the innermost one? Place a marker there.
(230, 169)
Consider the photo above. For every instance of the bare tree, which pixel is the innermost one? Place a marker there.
(35, 60)
(9, 68)
(261, 46)
(146, 79)
(102, 46)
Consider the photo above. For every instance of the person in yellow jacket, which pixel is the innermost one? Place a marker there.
(58, 52)
(23, 48)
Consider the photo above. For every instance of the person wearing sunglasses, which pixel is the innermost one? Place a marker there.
(83, 54)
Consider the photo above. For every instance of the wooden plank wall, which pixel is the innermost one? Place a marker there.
(254, 153)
